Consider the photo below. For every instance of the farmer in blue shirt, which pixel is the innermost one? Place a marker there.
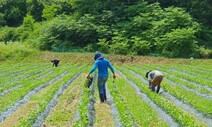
(102, 64)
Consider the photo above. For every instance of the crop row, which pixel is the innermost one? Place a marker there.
(182, 117)
(85, 108)
(137, 105)
(127, 99)
(191, 70)
(201, 104)
(15, 70)
(9, 99)
(43, 98)
(10, 68)
(124, 113)
(190, 85)
(196, 79)
(180, 80)
(16, 75)
(32, 78)
(64, 112)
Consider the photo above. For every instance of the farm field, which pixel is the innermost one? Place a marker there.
(40, 95)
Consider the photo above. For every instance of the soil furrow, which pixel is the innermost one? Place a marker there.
(166, 117)
(25, 99)
(206, 96)
(180, 104)
(193, 83)
(53, 102)
(114, 111)
(9, 90)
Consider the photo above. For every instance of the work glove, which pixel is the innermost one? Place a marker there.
(114, 76)
(88, 76)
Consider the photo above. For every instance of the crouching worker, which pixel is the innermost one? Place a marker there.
(55, 62)
(155, 78)
(102, 64)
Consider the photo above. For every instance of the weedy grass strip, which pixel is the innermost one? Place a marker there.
(86, 107)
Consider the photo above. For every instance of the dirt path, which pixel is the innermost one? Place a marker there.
(64, 112)
(103, 117)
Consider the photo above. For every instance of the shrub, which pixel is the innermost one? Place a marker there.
(178, 43)
(120, 45)
(103, 46)
(8, 34)
(14, 51)
(205, 53)
(140, 47)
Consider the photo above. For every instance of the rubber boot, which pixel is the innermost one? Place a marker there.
(153, 88)
(105, 97)
(158, 89)
(101, 97)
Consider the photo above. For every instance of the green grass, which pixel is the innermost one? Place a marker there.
(24, 55)
(15, 51)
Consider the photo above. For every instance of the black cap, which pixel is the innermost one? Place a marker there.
(148, 73)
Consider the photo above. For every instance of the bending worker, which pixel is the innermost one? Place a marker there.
(55, 62)
(102, 64)
(155, 78)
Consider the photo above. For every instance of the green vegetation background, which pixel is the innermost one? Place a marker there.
(141, 27)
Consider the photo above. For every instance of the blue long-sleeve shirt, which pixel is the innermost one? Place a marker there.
(102, 64)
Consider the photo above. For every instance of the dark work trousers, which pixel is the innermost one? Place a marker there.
(156, 82)
(102, 89)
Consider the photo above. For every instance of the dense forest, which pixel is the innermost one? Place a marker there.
(171, 28)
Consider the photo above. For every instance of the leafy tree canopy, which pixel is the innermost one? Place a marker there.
(119, 26)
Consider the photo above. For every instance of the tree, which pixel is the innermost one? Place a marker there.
(199, 9)
(119, 45)
(26, 28)
(35, 8)
(103, 46)
(8, 34)
(178, 43)
(140, 47)
(49, 11)
(13, 11)
(2, 21)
